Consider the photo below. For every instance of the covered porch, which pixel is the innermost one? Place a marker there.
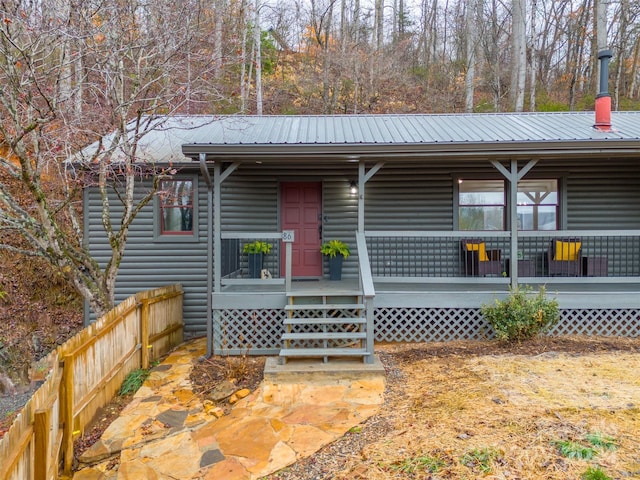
(435, 221)
(422, 286)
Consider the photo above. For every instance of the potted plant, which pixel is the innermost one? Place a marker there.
(336, 251)
(256, 251)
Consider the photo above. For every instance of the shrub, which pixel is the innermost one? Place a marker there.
(522, 315)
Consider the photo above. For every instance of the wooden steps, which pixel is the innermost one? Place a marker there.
(324, 325)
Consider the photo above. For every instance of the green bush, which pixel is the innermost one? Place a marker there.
(522, 315)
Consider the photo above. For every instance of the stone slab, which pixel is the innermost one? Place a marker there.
(307, 370)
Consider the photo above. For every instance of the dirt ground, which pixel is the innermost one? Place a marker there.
(466, 410)
(463, 410)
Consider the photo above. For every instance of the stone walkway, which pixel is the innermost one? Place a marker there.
(167, 433)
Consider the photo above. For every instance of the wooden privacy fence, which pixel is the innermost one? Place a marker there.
(85, 373)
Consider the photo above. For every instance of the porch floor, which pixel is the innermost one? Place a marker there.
(578, 293)
(351, 285)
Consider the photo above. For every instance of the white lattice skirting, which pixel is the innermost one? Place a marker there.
(258, 332)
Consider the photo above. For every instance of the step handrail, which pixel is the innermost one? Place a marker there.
(368, 289)
(368, 292)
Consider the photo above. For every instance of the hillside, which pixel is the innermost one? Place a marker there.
(38, 311)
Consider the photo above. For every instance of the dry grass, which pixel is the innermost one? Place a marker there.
(500, 415)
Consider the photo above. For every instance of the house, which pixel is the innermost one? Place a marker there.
(442, 213)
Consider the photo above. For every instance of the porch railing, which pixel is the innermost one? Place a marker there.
(613, 254)
(235, 263)
(413, 256)
(428, 255)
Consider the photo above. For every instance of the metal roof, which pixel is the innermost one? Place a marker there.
(176, 138)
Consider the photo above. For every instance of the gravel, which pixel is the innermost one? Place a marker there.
(11, 404)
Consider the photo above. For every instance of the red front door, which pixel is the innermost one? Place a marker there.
(301, 212)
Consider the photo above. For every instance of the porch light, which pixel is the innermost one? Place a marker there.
(353, 187)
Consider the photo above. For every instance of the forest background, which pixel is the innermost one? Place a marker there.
(72, 71)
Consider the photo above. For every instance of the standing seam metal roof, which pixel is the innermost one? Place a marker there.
(283, 130)
(164, 143)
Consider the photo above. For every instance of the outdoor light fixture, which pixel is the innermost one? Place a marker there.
(353, 187)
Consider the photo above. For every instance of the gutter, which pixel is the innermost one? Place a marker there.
(333, 152)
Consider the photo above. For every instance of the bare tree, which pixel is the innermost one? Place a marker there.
(472, 39)
(518, 64)
(533, 53)
(132, 67)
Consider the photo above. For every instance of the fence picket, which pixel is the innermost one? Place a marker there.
(86, 371)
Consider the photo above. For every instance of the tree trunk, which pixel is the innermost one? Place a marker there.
(258, 49)
(533, 52)
(518, 72)
(218, 8)
(472, 38)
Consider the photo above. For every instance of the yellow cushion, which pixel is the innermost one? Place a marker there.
(480, 248)
(567, 251)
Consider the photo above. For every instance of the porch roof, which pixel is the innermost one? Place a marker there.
(330, 138)
(354, 136)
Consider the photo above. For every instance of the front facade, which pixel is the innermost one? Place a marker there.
(442, 214)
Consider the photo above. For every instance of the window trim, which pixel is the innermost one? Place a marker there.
(176, 237)
(561, 196)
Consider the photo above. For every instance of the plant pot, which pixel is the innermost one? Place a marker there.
(335, 267)
(255, 264)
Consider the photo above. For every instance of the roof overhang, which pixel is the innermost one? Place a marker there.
(406, 152)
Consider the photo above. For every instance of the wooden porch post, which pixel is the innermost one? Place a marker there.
(513, 176)
(363, 178)
(361, 184)
(205, 173)
(513, 215)
(217, 239)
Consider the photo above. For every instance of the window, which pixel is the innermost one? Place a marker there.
(176, 207)
(538, 205)
(482, 204)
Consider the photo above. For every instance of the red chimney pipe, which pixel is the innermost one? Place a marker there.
(603, 99)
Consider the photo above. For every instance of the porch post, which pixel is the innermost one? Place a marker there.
(363, 178)
(217, 239)
(361, 184)
(513, 176)
(513, 213)
(205, 173)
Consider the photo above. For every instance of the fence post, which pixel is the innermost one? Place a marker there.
(67, 408)
(144, 333)
(42, 447)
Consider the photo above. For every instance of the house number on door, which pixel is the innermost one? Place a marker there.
(288, 236)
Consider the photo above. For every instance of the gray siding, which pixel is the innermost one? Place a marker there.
(149, 263)
(250, 202)
(604, 196)
(407, 196)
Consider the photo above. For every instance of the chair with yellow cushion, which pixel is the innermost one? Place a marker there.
(479, 261)
(565, 257)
